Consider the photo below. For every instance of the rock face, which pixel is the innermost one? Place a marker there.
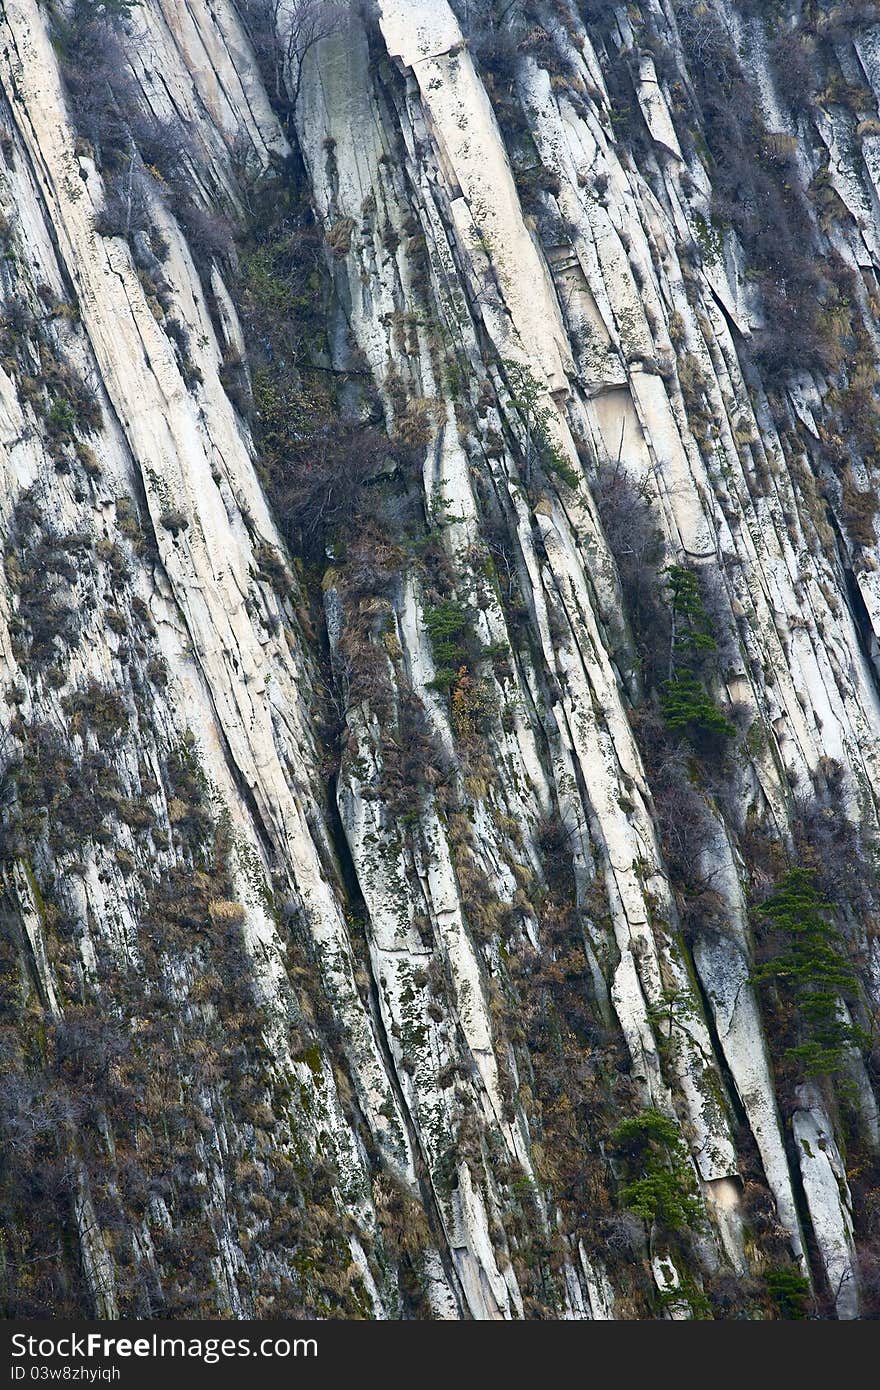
(439, 649)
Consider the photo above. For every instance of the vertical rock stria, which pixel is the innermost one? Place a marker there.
(440, 729)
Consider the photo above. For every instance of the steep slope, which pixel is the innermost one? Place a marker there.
(440, 666)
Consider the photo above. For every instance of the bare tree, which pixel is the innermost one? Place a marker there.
(284, 32)
(704, 35)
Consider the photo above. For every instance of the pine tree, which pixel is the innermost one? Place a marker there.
(809, 965)
(685, 703)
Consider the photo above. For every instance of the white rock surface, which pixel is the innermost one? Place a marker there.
(612, 319)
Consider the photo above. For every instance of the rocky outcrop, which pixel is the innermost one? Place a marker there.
(439, 626)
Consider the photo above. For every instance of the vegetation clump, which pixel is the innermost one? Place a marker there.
(659, 1185)
(806, 961)
(541, 451)
(448, 625)
(789, 1292)
(684, 700)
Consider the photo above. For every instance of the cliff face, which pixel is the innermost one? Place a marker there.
(439, 657)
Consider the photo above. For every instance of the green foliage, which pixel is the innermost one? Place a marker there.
(42, 570)
(61, 417)
(448, 626)
(789, 1291)
(690, 1294)
(280, 301)
(98, 708)
(657, 1198)
(757, 188)
(273, 276)
(84, 15)
(647, 1128)
(320, 470)
(809, 964)
(693, 634)
(526, 393)
(685, 703)
(659, 1185)
(709, 238)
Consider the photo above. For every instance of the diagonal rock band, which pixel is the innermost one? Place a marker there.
(439, 735)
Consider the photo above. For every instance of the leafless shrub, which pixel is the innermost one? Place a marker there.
(793, 56)
(624, 1236)
(733, 1296)
(635, 540)
(320, 482)
(705, 38)
(836, 848)
(868, 1256)
(283, 33)
(683, 819)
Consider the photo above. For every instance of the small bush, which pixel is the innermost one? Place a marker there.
(659, 1185)
(789, 1292)
(446, 624)
(541, 452)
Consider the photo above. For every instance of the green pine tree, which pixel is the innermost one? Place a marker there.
(809, 965)
(685, 703)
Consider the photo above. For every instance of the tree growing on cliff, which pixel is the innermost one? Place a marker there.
(283, 33)
(685, 701)
(808, 963)
(658, 1183)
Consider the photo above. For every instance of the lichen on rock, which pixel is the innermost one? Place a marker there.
(438, 629)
